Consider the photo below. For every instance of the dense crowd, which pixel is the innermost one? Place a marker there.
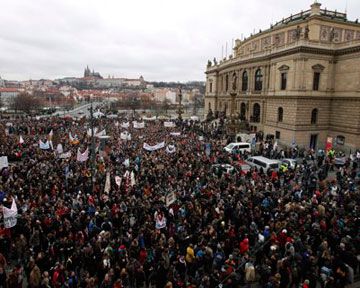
(168, 219)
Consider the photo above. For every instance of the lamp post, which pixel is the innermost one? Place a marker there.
(180, 111)
(92, 160)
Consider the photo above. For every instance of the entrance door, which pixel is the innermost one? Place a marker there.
(313, 141)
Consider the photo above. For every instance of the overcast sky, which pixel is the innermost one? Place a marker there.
(168, 40)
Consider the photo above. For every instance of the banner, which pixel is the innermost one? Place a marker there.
(118, 180)
(175, 133)
(155, 147)
(107, 183)
(21, 140)
(125, 125)
(65, 155)
(126, 162)
(138, 125)
(4, 163)
(10, 215)
(82, 157)
(170, 198)
(169, 124)
(125, 136)
(44, 146)
(149, 118)
(170, 149)
(160, 220)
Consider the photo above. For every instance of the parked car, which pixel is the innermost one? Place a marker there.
(263, 162)
(241, 147)
(227, 168)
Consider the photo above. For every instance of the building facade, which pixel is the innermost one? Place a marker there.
(298, 81)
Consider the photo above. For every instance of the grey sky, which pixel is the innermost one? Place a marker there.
(167, 40)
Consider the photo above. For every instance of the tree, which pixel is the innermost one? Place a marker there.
(25, 102)
(166, 105)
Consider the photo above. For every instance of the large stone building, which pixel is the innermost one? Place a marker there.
(298, 81)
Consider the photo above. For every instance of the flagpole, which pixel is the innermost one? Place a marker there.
(92, 163)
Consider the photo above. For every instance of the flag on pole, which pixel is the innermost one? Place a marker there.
(82, 157)
(10, 215)
(118, 180)
(107, 183)
(44, 146)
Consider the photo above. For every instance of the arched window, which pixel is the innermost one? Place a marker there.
(242, 111)
(258, 80)
(226, 82)
(256, 113)
(244, 85)
(314, 116)
(280, 114)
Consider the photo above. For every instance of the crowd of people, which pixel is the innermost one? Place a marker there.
(126, 216)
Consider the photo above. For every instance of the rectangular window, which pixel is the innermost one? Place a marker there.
(210, 88)
(283, 81)
(277, 134)
(316, 81)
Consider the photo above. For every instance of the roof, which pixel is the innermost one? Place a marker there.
(9, 89)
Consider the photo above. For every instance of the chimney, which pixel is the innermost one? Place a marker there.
(315, 8)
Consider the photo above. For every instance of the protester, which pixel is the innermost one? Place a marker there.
(151, 210)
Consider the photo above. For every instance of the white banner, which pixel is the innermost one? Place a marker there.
(170, 198)
(154, 147)
(175, 133)
(4, 163)
(149, 118)
(10, 215)
(21, 140)
(65, 155)
(125, 125)
(132, 178)
(138, 125)
(160, 220)
(82, 157)
(169, 124)
(170, 149)
(44, 146)
(125, 136)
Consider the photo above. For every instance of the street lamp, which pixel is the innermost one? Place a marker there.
(180, 111)
(92, 160)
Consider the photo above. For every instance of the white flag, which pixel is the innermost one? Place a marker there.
(59, 149)
(21, 140)
(118, 180)
(10, 215)
(132, 178)
(44, 146)
(107, 183)
(82, 157)
(4, 163)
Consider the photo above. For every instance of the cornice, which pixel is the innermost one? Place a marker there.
(291, 51)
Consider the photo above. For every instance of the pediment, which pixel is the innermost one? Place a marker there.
(284, 68)
(318, 67)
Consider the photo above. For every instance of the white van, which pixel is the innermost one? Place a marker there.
(263, 162)
(239, 146)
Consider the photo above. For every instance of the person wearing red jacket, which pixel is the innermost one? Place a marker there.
(244, 246)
